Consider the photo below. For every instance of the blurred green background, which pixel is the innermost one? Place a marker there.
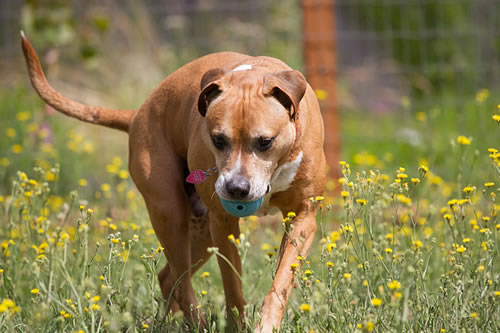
(411, 74)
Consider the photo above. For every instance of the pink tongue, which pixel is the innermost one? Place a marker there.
(196, 177)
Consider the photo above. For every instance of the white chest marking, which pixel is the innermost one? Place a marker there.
(243, 68)
(281, 180)
(285, 174)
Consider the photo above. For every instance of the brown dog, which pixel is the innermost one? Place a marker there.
(254, 119)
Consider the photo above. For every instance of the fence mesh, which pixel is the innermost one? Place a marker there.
(433, 51)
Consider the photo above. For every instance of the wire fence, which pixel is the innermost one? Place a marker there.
(433, 51)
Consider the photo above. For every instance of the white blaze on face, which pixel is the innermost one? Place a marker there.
(243, 68)
(226, 176)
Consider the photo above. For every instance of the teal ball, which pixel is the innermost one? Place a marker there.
(241, 208)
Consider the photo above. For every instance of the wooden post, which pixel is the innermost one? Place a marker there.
(320, 69)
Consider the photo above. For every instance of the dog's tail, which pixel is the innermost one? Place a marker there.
(118, 119)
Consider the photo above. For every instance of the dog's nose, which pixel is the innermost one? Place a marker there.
(238, 187)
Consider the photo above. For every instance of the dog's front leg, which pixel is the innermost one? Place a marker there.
(296, 242)
(220, 228)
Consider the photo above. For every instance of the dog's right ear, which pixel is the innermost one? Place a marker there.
(210, 89)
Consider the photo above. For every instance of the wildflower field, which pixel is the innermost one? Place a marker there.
(411, 242)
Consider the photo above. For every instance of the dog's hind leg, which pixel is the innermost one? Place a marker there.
(158, 174)
(200, 241)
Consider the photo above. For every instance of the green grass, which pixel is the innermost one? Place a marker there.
(78, 252)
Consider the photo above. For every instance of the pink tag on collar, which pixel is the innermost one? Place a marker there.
(196, 177)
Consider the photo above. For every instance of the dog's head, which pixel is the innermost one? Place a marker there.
(249, 126)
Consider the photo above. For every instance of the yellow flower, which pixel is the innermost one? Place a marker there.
(466, 240)
(10, 132)
(291, 215)
(403, 199)
(344, 194)
(50, 176)
(204, 292)
(376, 302)
(461, 249)
(347, 275)
(331, 246)
(417, 244)
(23, 116)
(388, 250)
(330, 264)
(17, 149)
(123, 174)
(4, 161)
(294, 266)
(321, 94)
(35, 291)
(205, 275)
(482, 95)
(462, 140)
(308, 272)
(95, 307)
(489, 184)
(96, 298)
(305, 307)
(319, 198)
(394, 284)
(468, 189)
(348, 228)
(230, 237)
(496, 117)
(361, 202)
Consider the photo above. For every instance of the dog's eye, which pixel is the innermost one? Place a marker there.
(219, 141)
(264, 144)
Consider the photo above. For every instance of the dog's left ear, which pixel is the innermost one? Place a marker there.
(210, 89)
(288, 87)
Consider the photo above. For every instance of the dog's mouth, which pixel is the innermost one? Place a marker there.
(251, 197)
(246, 199)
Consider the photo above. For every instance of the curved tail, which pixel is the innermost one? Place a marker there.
(117, 119)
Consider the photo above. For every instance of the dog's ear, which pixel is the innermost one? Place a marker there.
(210, 89)
(288, 87)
